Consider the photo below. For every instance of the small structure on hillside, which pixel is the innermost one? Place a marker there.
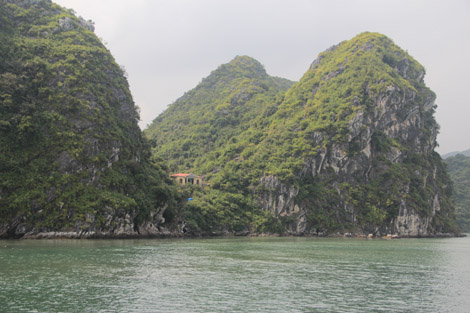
(183, 179)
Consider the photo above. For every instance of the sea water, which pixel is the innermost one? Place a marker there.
(269, 274)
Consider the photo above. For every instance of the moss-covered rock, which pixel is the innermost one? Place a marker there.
(72, 156)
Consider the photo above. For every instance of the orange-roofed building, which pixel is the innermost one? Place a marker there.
(183, 179)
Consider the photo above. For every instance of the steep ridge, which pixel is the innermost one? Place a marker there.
(73, 161)
(349, 148)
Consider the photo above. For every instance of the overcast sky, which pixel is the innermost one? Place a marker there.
(168, 46)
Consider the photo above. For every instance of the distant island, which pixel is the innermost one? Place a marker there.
(349, 149)
(458, 166)
(454, 153)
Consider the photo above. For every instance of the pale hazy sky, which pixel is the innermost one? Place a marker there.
(168, 46)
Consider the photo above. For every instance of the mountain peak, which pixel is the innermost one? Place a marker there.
(247, 62)
(366, 50)
(239, 67)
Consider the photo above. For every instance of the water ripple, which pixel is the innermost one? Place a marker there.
(236, 275)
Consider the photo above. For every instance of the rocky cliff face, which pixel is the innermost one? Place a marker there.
(383, 175)
(73, 162)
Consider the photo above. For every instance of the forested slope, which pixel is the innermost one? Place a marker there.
(73, 158)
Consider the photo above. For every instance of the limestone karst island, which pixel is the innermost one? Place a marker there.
(348, 149)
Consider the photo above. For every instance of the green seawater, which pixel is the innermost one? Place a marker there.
(236, 275)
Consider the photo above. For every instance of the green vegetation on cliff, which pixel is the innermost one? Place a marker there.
(347, 148)
(72, 155)
(199, 131)
(207, 117)
(459, 171)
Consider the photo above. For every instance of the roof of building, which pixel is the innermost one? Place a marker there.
(190, 175)
(179, 175)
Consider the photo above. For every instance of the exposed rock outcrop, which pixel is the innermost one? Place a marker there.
(383, 177)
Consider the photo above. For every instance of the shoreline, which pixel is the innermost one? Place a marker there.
(175, 235)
